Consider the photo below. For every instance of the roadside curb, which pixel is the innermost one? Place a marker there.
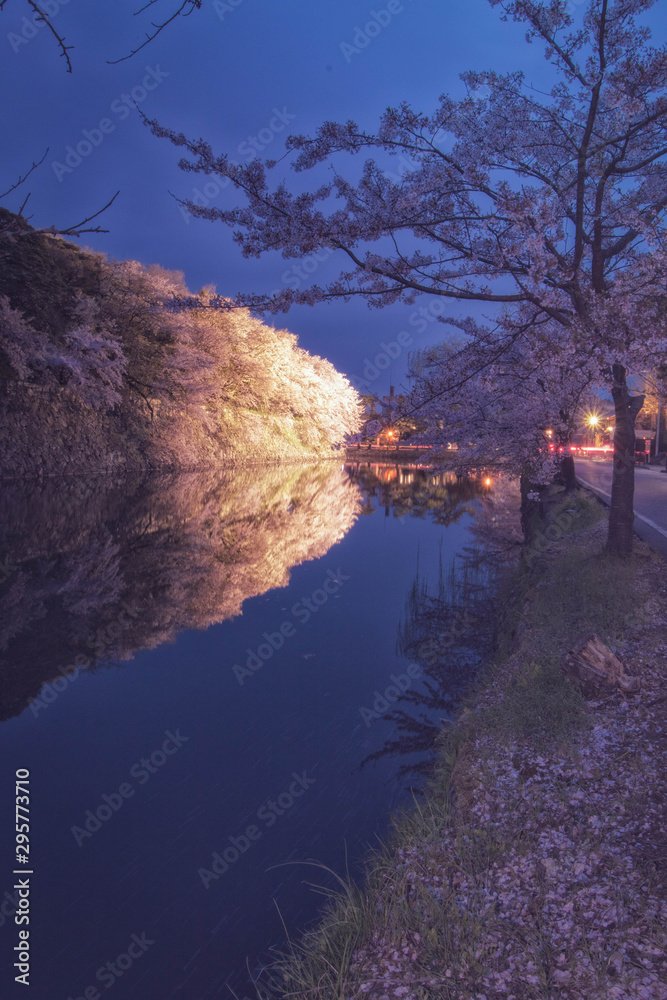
(646, 530)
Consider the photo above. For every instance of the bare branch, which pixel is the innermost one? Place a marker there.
(159, 26)
(78, 229)
(64, 49)
(12, 231)
(25, 176)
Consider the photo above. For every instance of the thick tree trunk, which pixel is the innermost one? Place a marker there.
(621, 513)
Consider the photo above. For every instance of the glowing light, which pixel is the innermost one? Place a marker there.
(487, 481)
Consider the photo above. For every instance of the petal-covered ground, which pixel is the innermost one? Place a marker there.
(536, 867)
(550, 877)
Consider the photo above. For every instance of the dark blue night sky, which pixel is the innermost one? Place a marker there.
(221, 73)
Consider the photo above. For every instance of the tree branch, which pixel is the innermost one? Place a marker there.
(159, 26)
(64, 49)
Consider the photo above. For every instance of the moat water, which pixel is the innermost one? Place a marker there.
(197, 673)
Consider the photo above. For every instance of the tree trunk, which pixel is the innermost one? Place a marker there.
(568, 474)
(530, 510)
(621, 513)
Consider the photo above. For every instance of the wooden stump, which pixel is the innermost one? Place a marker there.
(594, 669)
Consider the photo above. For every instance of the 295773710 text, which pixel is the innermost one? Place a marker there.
(22, 885)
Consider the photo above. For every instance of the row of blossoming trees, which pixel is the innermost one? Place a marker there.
(108, 334)
(547, 205)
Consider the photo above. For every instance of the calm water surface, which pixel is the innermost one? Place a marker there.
(232, 634)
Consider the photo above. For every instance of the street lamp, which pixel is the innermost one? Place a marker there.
(593, 421)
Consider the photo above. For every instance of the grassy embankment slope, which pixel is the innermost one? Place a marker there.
(535, 866)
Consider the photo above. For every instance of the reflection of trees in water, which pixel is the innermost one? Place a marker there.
(105, 568)
(496, 525)
(449, 630)
(441, 496)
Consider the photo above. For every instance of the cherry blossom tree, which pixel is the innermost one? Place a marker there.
(21, 347)
(88, 360)
(548, 207)
(201, 356)
(516, 410)
(125, 344)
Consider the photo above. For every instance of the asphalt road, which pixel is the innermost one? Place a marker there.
(650, 497)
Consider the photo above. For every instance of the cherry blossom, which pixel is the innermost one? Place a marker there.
(548, 207)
